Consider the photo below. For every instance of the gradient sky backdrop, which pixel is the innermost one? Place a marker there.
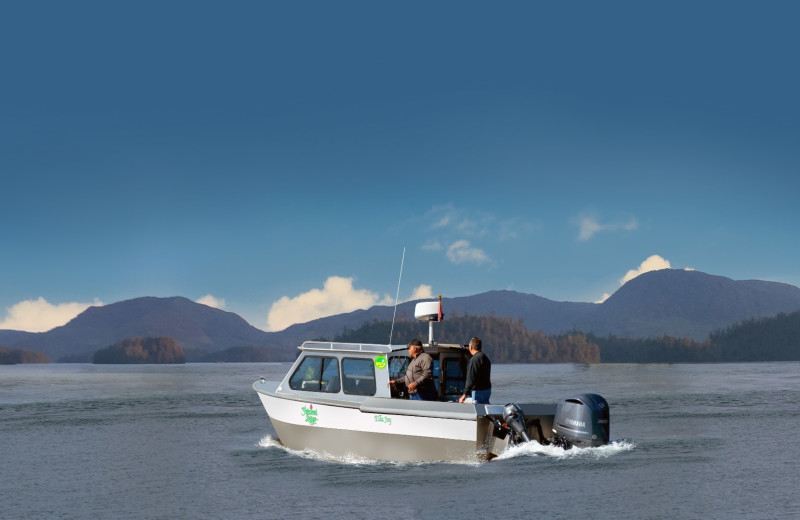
(274, 158)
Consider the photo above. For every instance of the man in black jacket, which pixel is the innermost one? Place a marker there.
(479, 372)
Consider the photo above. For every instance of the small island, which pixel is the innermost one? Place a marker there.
(160, 350)
(14, 356)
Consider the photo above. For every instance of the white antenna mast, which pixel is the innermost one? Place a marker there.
(397, 296)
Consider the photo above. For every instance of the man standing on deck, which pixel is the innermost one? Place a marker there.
(479, 373)
(419, 375)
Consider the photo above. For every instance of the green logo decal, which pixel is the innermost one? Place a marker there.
(380, 362)
(310, 414)
(384, 419)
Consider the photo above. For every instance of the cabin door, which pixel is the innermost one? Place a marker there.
(452, 376)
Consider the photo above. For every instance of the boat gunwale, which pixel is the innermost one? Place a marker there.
(384, 405)
(433, 409)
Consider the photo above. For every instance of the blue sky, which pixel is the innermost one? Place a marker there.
(275, 158)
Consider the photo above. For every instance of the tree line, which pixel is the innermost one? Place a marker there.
(760, 339)
(14, 356)
(509, 341)
(505, 340)
(141, 351)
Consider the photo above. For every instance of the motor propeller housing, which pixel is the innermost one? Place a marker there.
(515, 420)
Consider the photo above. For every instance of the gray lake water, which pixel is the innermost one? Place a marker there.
(192, 441)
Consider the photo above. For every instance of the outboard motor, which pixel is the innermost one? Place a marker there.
(515, 419)
(581, 420)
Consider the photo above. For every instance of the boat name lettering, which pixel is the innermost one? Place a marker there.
(573, 422)
(383, 419)
(310, 414)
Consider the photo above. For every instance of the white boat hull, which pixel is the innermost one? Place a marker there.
(372, 432)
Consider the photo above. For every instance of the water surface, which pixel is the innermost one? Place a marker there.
(192, 441)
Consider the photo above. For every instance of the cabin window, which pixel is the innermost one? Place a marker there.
(397, 370)
(398, 366)
(359, 376)
(435, 374)
(454, 377)
(316, 374)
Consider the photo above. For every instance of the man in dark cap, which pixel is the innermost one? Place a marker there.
(419, 375)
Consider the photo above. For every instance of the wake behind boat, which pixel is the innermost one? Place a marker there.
(336, 399)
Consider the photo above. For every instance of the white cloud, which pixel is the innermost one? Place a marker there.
(39, 315)
(442, 216)
(469, 227)
(432, 245)
(336, 297)
(652, 263)
(603, 298)
(511, 228)
(448, 218)
(589, 226)
(442, 222)
(211, 301)
(447, 224)
(460, 252)
(422, 292)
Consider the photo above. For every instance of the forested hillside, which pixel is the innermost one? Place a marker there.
(666, 349)
(508, 341)
(766, 339)
(141, 351)
(504, 340)
(14, 356)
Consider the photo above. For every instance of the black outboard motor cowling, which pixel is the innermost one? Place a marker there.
(583, 421)
(515, 420)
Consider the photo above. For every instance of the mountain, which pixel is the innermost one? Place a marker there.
(194, 326)
(683, 303)
(674, 302)
(10, 337)
(536, 312)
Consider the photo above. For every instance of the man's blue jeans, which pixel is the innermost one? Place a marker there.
(423, 396)
(481, 396)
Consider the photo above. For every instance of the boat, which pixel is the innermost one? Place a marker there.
(336, 401)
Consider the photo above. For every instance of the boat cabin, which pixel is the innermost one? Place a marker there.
(353, 371)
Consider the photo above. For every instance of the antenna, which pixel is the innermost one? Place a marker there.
(397, 296)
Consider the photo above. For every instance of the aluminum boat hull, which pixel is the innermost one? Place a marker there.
(369, 430)
(391, 429)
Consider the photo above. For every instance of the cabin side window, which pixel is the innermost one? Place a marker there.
(359, 376)
(316, 374)
(398, 366)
